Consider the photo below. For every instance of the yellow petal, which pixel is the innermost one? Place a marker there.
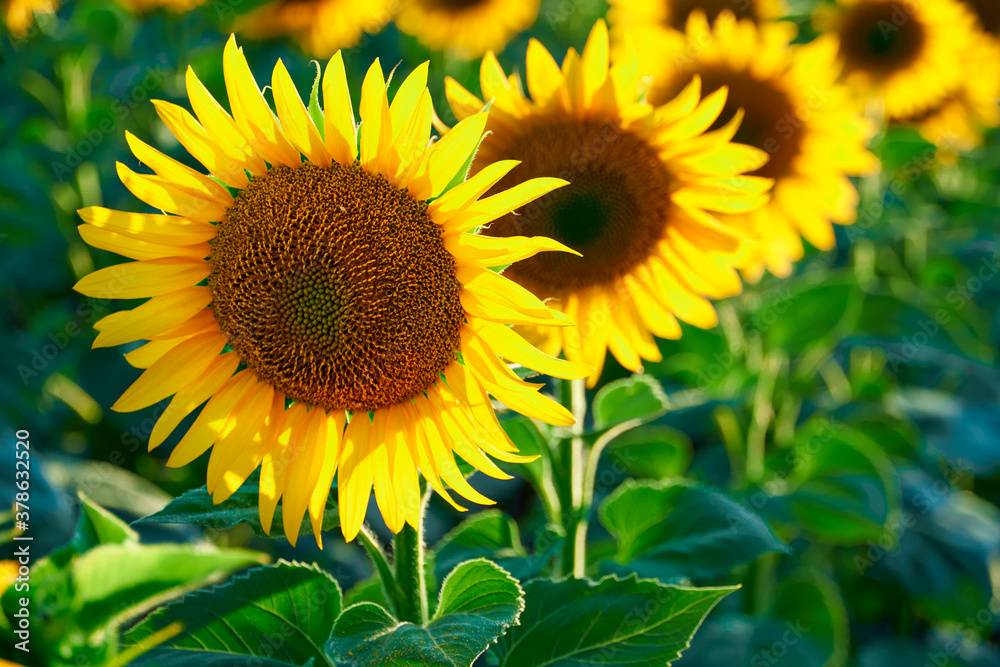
(331, 457)
(502, 203)
(250, 416)
(456, 200)
(138, 280)
(487, 251)
(173, 171)
(172, 372)
(447, 156)
(134, 248)
(254, 118)
(382, 473)
(155, 316)
(544, 75)
(202, 388)
(166, 196)
(295, 119)
(375, 133)
(303, 470)
(338, 113)
(355, 476)
(511, 346)
(153, 228)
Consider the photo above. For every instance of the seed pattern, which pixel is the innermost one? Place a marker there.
(336, 287)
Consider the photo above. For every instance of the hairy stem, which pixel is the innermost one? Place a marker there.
(411, 589)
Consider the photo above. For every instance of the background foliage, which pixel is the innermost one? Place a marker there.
(866, 532)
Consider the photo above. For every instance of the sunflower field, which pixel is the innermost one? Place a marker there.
(500, 333)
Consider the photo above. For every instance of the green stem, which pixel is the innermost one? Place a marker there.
(377, 556)
(411, 589)
(574, 556)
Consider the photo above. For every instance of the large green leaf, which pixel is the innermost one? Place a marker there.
(574, 622)
(673, 530)
(814, 600)
(195, 507)
(637, 397)
(844, 486)
(797, 316)
(493, 535)
(654, 452)
(478, 602)
(281, 612)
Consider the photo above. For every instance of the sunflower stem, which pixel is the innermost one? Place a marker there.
(370, 542)
(411, 588)
(574, 556)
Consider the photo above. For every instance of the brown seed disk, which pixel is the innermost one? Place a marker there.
(881, 37)
(616, 208)
(335, 287)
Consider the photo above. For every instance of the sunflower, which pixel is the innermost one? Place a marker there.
(647, 22)
(468, 28)
(320, 27)
(646, 184)
(307, 284)
(957, 121)
(791, 107)
(906, 55)
(20, 14)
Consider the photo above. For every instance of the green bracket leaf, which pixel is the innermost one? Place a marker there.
(573, 622)
(637, 397)
(479, 601)
(280, 612)
(674, 530)
(195, 507)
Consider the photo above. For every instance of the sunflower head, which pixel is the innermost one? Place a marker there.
(466, 28)
(906, 55)
(648, 22)
(647, 184)
(321, 290)
(793, 109)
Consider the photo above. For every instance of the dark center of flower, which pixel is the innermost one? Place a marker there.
(335, 287)
(771, 121)
(881, 37)
(679, 10)
(613, 212)
(988, 12)
(456, 5)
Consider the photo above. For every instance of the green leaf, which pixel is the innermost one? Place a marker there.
(195, 507)
(654, 452)
(315, 112)
(675, 530)
(794, 318)
(116, 582)
(493, 535)
(637, 397)
(283, 612)
(573, 622)
(479, 601)
(814, 600)
(99, 526)
(844, 487)
(736, 640)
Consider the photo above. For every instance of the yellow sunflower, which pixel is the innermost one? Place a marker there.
(791, 107)
(307, 284)
(957, 121)
(20, 14)
(649, 21)
(468, 28)
(320, 27)
(646, 185)
(905, 54)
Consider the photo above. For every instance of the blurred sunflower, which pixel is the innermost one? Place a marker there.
(320, 27)
(18, 15)
(907, 55)
(646, 21)
(468, 28)
(956, 123)
(791, 107)
(326, 289)
(646, 185)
